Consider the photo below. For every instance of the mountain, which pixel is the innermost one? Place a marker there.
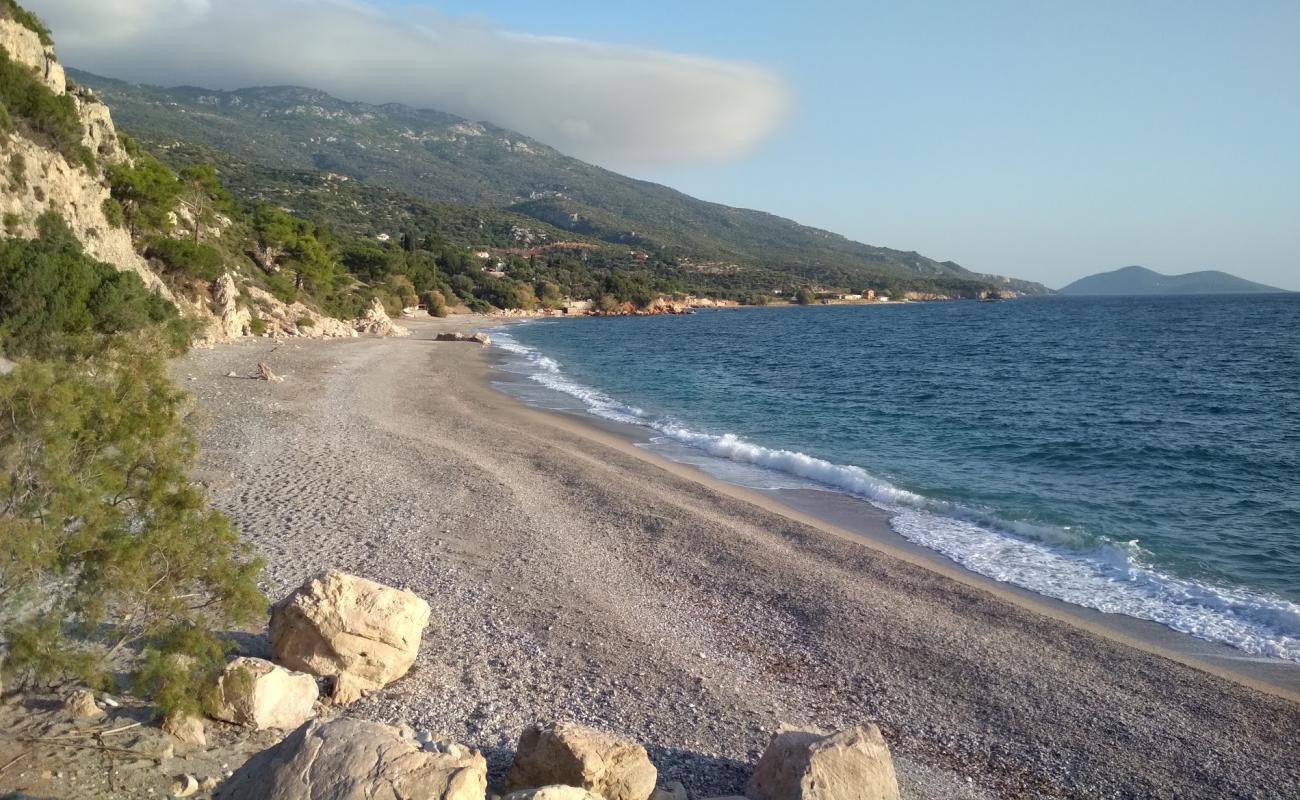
(444, 158)
(1140, 280)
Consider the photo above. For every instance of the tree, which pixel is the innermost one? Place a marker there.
(203, 195)
(299, 245)
(106, 547)
(805, 296)
(148, 192)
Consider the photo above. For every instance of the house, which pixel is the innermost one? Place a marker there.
(383, 237)
(482, 254)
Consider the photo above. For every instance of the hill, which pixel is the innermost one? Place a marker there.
(439, 157)
(1140, 280)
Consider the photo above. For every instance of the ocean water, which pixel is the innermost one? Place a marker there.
(1138, 456)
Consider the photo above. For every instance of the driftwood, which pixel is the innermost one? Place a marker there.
(264, 373)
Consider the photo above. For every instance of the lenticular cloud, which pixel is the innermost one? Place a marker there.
(618, 106)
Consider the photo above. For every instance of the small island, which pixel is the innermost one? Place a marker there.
(1142, 281)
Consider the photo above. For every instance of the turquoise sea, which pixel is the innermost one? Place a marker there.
(1138, 456)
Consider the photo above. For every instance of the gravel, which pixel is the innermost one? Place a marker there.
(575, 577)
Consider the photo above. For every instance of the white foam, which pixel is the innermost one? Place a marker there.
(1112, 577)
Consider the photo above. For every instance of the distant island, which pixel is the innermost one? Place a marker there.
(1140, 280)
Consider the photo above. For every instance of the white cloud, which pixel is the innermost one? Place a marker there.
(618, 106)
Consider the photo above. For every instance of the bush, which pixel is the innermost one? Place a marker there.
(805, 296)
(17, 172)
(107, 550)
(187, 258)
(113, 212)
(55, 301)
(436, 304)
(479, 306)
(403, 289)
(305, 322)
(257, 326)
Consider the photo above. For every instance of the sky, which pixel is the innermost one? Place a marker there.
(1045, 140)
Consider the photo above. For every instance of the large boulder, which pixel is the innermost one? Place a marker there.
(853, 764)
(376, 322)
(363, 634)
(575, 755)
(553, 793)
(350, 759)
(253, 691)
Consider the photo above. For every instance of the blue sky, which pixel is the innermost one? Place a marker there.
(1046, 140)
(1042, 139)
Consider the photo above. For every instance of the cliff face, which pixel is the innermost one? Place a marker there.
(36, 178)
(41, 179)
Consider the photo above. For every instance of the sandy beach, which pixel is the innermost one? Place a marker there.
(576, 576)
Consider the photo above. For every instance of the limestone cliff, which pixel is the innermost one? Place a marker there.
(41, 179)
(36, 178)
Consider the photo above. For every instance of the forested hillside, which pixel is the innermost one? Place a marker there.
(438, 157)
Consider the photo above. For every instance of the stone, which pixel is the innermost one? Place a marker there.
(574, 755)
(232, 322)
(253, 691)
(362, 633)
(853, 764)
(185, 729)
(185, 786)
(673, 790)
(208, 784)
(350, 759)
(558, 792)
(81, 703)
(477, 338)
(376, 322)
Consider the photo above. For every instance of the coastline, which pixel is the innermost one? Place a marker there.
(576, 574)
(842, 514)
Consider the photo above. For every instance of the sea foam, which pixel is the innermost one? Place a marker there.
(1108, 576)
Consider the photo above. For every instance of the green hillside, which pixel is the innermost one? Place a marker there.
(442, 158)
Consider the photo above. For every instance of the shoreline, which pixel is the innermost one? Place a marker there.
(841, 514)
(574, 575)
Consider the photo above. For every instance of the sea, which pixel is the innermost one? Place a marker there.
(1135, 456)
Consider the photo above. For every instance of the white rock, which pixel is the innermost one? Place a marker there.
(363, 633)
(575, 755)
(253, 691)
(853, 764)
(349, 759)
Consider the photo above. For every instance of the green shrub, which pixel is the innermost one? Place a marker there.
(11, 9)
(12, 223)
(113, 212)
(257, 326)
(805, 296)
(46, 116)
(107, 550)
(55, 300)
(148, 192)
(17, 172)
(305, 322)
(187, 258)
(479, 306)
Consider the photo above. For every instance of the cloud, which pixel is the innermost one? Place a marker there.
(618, 106)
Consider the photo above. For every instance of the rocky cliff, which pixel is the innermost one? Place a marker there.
(36, 178)
(41, 179)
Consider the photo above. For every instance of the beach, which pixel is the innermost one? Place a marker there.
(574, 575)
